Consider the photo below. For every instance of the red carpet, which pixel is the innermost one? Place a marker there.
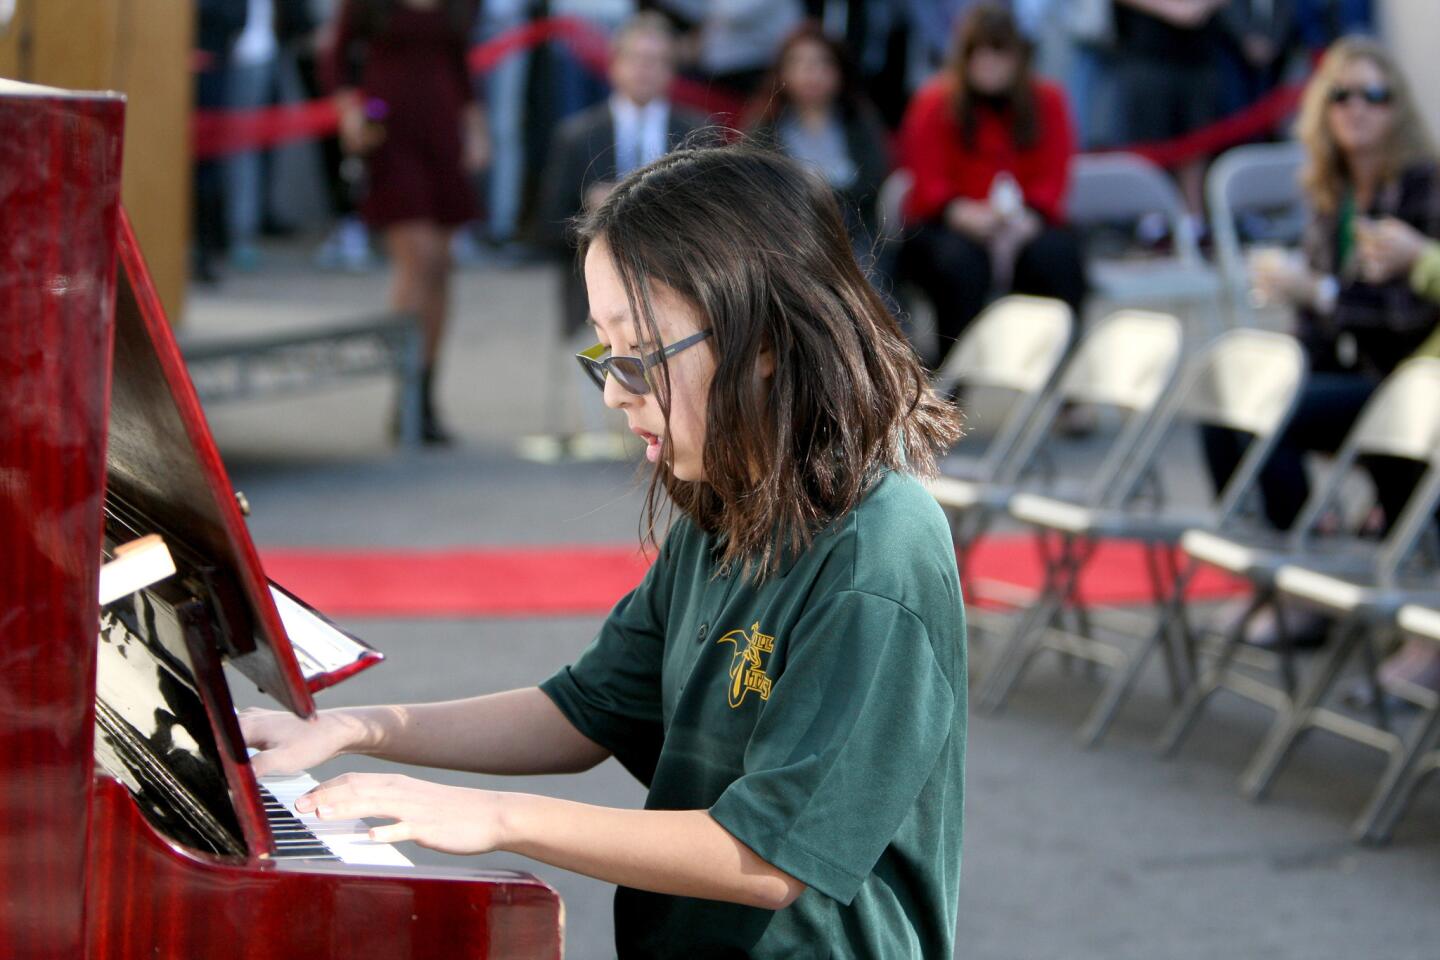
(576, 580)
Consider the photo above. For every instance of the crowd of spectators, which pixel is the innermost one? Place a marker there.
(984, 103)
(1131, 71)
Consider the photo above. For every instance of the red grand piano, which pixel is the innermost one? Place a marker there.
(130, 823)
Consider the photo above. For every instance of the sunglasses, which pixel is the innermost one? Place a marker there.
(1375, 94)
(632, 373)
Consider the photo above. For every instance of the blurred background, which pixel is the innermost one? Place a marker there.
(1179, 260)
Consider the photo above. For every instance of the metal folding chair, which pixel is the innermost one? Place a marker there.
(1254, 181)
(1111, 188)
(1362, 608)
(1121, 365)
(1417, 758)
(1013, 349)
(1244, 380)
(1402, 419)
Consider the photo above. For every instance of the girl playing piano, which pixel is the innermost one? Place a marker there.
(789, 678)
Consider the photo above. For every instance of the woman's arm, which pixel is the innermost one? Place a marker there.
(925, 149)
(677, 852)
(515, 732)
(1047, 173)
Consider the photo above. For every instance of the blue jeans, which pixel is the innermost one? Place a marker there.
(1327, 409)
(247, 86)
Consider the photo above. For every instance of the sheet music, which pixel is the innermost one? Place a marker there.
(137, 565)
(320, 647)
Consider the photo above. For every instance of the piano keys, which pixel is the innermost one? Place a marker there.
(303, 836)
(131, 824)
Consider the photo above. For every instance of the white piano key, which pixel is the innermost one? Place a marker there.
(347, 839)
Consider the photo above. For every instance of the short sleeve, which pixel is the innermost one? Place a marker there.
(611, 693)
(849, 737)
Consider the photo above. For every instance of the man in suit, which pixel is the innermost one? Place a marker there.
(597, 147)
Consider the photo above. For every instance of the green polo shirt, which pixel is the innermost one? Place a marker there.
(819, 717)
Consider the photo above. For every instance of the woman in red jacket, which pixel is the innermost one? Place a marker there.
(989, 147)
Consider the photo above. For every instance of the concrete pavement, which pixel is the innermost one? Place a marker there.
(1070, 855)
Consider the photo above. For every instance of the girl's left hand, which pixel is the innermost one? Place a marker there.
(450, 819)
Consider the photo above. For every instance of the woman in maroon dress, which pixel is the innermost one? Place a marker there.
(407, 106)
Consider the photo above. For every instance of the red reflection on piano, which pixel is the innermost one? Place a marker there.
(130, 824)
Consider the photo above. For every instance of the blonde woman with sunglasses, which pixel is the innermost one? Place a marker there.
(1368, 161)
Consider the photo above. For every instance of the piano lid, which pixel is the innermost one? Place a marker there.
(164, 470)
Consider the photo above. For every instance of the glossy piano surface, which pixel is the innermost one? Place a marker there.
(59, 204)
(151, 840)
(164, 903)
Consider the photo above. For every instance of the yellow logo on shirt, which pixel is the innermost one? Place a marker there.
(747, 666)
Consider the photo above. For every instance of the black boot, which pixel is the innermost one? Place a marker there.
(432, 431)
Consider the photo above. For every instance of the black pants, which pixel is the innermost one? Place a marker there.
(1328, 407)
(954, 273)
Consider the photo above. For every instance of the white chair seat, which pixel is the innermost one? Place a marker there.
(1057, 514)
(1050, 512)
(1423, 621)
(1226, 553)
(1321, 589)
(954, 493)
(1257, 556)
(1345, 596)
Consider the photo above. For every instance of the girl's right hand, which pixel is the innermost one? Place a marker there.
(289, 744)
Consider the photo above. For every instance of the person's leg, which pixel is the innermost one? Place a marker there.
(1395, 481)
(506, 115)
(1327, 409)
(954, 273)
(435, 274)
(1051, 265)
(403, 243)
(431, 250)
(1223, 448)
(247, 87)
(419, 257)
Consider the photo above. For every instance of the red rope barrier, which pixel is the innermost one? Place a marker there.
(217, 133)
(1257, 120)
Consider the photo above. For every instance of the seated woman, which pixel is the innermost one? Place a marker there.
(1369, 167)
(812, 110)
(989, 147)
(1368, 160)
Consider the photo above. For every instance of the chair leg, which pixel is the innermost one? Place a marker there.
(1293, 723)
(966, 530)
(1121, 682)
(1178, 727)
(1015, 658)
(1398, 784)
(1168, 583)
(1117, 690)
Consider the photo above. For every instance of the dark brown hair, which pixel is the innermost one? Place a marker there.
(757, 246)
(772, 97)
(991, 25)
